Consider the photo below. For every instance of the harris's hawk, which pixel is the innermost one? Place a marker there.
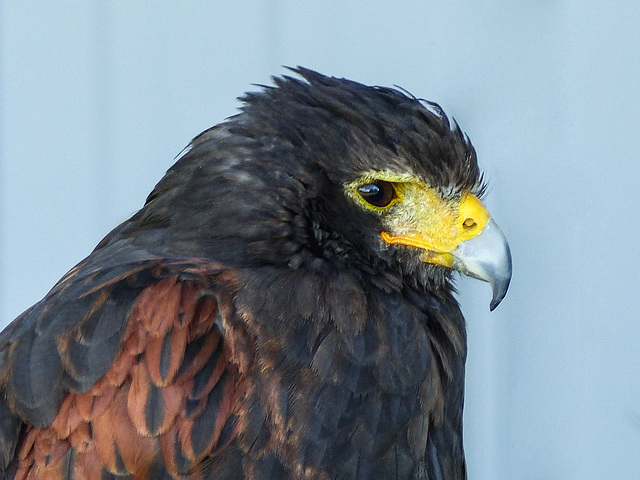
(280, 308)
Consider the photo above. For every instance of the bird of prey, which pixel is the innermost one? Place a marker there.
(281, 307)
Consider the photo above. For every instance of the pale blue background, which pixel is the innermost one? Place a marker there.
(96, 99)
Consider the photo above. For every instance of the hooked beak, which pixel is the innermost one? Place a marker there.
(486, 257)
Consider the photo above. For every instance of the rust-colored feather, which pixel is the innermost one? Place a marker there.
(81, 438)
(115, 435)
(164, 355)
(68, 417)
(158, 307)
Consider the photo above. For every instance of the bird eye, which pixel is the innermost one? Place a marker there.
(379, 194)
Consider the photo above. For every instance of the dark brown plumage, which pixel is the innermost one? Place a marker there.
(280, 308)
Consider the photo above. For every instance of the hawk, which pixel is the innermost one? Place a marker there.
(281, 307)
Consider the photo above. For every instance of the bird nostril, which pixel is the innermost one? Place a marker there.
(469, 223)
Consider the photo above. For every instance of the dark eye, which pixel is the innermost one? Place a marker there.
(378, 194)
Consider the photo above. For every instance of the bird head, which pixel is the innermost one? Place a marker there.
(324, 172)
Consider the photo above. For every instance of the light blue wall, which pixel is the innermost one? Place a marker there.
(97, 98)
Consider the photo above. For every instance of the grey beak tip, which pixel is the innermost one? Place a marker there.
(497, 298)
(500, 285)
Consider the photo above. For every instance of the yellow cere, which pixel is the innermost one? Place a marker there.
(421, 217)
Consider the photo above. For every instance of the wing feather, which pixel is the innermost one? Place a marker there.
(127, 376)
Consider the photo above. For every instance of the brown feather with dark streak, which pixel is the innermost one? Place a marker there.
(109, 426)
